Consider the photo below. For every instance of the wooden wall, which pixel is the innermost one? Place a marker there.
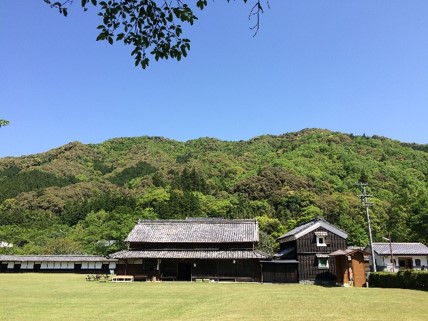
(280, 272)
(308, 244)
(359, 269)
(202, 269)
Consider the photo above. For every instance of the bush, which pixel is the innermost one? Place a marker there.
(407, 279)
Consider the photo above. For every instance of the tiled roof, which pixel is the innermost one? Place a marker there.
(194, 231)
(347, 251)
(309, 226)
(401, 249)
(191, 254)
(53, 258)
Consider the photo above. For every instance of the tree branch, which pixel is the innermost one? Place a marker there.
(256, 10)
(151, 28)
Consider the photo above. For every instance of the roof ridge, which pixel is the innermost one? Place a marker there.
(192, 221)
(313, 220)
(398, 243)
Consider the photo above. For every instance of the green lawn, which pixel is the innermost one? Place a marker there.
(69, 297)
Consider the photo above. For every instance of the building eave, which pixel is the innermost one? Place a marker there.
(191, 254)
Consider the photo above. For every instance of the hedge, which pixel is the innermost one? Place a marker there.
(407, 279)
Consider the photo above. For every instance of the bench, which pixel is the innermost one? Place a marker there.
(123, 278)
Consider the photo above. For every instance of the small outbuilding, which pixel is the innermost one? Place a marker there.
(350, 267)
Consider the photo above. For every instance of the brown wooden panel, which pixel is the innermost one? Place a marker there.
(280, 273)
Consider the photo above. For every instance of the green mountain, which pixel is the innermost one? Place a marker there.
(85, 198)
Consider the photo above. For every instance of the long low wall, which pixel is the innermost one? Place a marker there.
(56, 264)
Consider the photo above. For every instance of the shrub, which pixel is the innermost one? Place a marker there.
(406, 279)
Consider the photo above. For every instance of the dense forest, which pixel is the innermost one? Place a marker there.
(86, 198)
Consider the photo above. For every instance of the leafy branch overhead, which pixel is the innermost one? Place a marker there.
(4, 122)
(152, 28)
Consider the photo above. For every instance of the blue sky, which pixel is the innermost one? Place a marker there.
(352, 66)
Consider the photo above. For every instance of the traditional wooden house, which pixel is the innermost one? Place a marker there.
(304, 254)
(56, 263)
(405, 256)
(192, 249)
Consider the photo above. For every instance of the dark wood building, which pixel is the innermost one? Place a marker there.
(305, 253)
(192, 249)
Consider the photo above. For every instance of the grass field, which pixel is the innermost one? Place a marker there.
(70, 297)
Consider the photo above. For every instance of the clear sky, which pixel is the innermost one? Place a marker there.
(357, 66)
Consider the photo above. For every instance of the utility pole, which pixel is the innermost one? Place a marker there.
(367, 204)
(390, 250)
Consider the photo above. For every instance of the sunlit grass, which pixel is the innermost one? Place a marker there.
(70, 297)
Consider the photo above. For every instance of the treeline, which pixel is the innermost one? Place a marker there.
(14, 181)
(86, 198)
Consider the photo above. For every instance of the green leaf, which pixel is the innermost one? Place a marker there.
(170, 17)
(101, 36)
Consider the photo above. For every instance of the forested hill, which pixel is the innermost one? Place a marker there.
(85, 198)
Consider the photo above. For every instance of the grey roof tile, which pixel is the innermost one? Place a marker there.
(194, 231)
(400, 249)
(191, 254)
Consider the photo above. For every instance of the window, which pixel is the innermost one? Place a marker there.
(321, 241)
(321, 237)
(417, 262)
(323, 262)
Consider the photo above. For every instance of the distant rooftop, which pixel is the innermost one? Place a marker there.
(400, 249)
